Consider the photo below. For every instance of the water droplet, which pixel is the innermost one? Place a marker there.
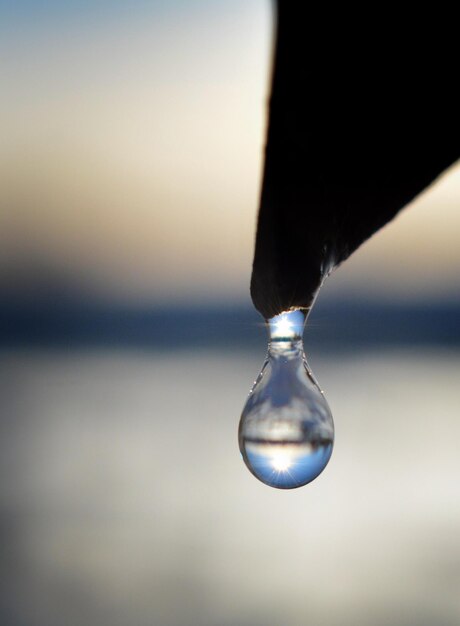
(286, 431)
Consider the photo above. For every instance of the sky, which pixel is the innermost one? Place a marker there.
(131, 156)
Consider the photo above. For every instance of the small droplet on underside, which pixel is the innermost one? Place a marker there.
(286, 431)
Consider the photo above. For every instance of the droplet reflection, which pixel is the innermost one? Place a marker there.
(286, 429)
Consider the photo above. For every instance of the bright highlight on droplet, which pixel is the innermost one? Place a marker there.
(286, 431)
(283, 325)
(281, 463)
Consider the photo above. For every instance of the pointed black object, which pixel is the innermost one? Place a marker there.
(363, 116)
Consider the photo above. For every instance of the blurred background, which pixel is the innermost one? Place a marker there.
(130, 162)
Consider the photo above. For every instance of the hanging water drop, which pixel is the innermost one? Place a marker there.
(286, 431)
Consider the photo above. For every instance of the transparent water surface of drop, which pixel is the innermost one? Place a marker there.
(286, 431)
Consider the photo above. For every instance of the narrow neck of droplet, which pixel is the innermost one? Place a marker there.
(286, 349)
(286, 332)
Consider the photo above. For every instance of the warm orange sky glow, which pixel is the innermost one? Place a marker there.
(131, 158)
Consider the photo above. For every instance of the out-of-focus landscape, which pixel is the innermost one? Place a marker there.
(130, 163)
